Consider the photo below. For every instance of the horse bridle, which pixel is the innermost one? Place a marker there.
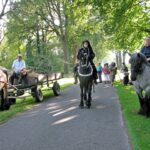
(138, 68)
(87, 57)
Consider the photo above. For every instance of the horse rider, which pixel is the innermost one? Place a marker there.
(18, 66)
(146, 49)
(87, 49)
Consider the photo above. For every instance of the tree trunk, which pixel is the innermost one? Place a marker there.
(64, 43)
(119, 60)
(29, 52)
(76, 47)
(38, 41)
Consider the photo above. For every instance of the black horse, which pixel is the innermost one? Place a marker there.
(85, 72)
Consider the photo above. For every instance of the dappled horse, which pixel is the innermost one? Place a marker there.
(85, 72)
(140, 76)
(4, 101)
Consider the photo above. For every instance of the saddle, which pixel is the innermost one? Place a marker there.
(85, 70)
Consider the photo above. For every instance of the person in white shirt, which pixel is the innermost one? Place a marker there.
(18, 66)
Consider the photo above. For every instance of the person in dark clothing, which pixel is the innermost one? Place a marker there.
(91, 55)
(146, 49)
(76, 73)
(126, 74)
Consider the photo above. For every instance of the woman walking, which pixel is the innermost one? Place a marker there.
(106, 73)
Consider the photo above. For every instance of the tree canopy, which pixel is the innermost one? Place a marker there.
(54, 30)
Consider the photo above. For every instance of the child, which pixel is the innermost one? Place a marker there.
(106, 73)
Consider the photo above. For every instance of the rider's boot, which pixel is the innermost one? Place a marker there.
(95, 78)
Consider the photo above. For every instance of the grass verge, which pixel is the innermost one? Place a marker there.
(23, 105)
(138, 126)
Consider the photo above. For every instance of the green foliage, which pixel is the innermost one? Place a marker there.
(56, 29)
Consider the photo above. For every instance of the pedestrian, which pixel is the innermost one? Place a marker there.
(113, 72)
(106, 73)
(99, 72)
(126, 74)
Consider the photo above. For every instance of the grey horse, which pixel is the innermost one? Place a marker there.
(140, 76)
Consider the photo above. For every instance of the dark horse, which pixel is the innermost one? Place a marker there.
(140, 76)
(85, 72)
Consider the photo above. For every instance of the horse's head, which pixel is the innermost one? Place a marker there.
(84, 61)
(137, 60)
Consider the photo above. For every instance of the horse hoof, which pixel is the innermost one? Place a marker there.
(2, 109)
(88, 106)
(141, 112)
(81, 106)
(7, 107)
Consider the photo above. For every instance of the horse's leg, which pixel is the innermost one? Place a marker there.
(89, 95)
(85, 94)
(145, 105)
(82, 96)
(141, 101)
(6, 100)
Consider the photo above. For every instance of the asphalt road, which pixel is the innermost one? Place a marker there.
(58, 124)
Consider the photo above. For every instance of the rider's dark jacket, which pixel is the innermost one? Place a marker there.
(88, 51)
(91, 55)
(146, 51)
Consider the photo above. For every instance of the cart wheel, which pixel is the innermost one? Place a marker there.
(37, 93)
(12, 101)
(56, 89)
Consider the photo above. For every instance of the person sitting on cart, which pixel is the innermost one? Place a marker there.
(18, 67)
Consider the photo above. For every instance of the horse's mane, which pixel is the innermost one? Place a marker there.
(141, 57)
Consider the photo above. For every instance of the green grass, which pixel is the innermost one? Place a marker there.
(22, 105)
(138, 126)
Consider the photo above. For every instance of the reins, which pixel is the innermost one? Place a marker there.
(5, 84)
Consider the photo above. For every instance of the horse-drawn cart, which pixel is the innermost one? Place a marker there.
(33, 83)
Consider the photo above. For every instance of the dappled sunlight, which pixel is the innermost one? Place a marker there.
(107, 86)
(66, 81)
(36, 105)
(132, 92)
(114, 97)
(100, 107)
(67, 101)
(60, 103)
(96, 97)
(53, 107)
(64, 111)
(64, 120)
(55, 111)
